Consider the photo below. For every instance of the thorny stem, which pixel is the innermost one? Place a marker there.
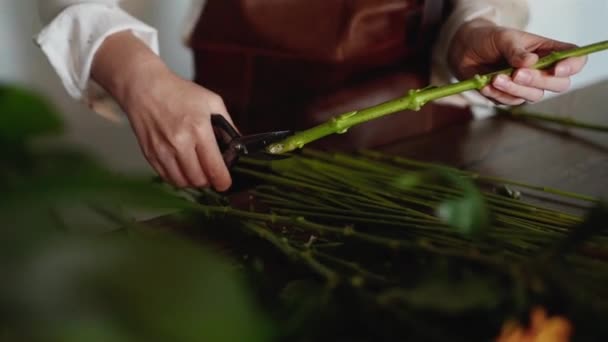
(347, 175)
(423, 194)
(416, 227)
(352, 266)
(283, 245)
(414, 101)
(385, 175)
(289, 182)
(348, 232)
(404, 223)
(330, 194)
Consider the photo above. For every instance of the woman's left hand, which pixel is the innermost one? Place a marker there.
(481, 47)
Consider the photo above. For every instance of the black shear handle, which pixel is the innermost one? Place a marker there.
(219, 122)
(227, 139)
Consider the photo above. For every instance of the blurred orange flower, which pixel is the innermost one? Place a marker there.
(541, 329)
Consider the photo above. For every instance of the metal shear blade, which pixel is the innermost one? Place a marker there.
(233, 145)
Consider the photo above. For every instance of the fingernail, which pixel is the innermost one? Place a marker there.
(562, 71)
(501, 82)
(523, 77)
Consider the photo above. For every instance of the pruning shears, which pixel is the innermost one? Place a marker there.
(234, 145)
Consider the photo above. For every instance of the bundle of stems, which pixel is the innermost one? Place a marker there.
(414, 100)
(347, 217)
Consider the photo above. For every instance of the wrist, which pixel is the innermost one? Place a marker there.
(125, 67)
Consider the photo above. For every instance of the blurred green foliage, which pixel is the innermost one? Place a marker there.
(62, 285)
(26, 115)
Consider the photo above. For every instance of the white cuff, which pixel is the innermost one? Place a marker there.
(71, 40)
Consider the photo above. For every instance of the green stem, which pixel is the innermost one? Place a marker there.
(306, 257)
(497, 180)
(301, 185)
(366, 220)
(422, 245)
(352, 266)
(362, 214)
(345, 176)
(414, 101)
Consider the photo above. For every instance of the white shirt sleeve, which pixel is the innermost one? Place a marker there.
(512, 13)
(74, 31)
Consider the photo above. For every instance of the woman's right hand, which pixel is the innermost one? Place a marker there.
(169, 115)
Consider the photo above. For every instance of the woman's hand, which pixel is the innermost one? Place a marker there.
(169, 115)
(481, 47)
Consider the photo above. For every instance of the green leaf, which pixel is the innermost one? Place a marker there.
(25, 114)
(468, 213)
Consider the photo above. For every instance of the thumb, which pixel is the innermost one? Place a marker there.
(518, 57)
(511, 45)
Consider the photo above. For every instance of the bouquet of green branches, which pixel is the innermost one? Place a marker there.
(385, 248)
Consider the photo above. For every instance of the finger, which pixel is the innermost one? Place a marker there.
(148, 152)
(545, 46)
(540, 80)
(191, 168)
(507, 86)
(211, 160)
(501, 97)
(176, 176)
(159, 169)
(569, 66)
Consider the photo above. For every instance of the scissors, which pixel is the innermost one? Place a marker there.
(234, 145)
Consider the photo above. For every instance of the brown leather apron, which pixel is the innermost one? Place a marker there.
(290, 64)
